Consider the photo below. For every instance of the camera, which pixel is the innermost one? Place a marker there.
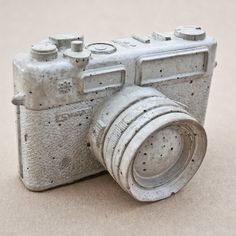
(134, 107)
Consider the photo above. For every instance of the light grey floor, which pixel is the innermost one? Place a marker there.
(207, 206)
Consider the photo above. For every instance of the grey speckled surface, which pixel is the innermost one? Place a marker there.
(207, 206)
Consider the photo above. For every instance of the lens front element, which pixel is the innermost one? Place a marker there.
(157, 158)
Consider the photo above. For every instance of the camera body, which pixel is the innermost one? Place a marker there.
(69, 99)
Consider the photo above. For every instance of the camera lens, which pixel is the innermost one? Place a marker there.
(149, 144)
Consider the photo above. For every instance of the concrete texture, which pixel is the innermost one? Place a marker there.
(206, 206)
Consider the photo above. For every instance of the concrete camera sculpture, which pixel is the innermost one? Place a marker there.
(133, 106)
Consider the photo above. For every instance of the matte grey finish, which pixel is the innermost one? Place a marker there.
(63, 88)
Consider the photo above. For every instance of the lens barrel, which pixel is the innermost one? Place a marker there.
(149, 144)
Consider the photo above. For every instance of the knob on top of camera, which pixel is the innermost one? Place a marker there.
(44, 52)
(78, 53)
(193, 33)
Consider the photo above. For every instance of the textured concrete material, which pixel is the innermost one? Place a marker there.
(206, 206)
(59, 87)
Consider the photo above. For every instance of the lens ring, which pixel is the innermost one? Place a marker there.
(156, 193)
(110, 111)
(128, 122)
(132, 130)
